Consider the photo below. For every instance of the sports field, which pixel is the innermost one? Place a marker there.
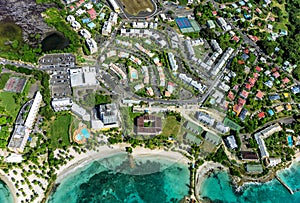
(134, 7)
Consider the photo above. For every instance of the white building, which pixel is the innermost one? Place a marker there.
(85, 76)
(172, 61)
(81, 112)
(92, 45)
(230, 142)
(215, 46)
(21, 132)
(63, 104)
(76, 25)
(85, 33)
(206, 119)
(140, 25)
(113, 18)
(70, 18)
(115, 6)
(106, 29)
(222, 61)
(223, 24)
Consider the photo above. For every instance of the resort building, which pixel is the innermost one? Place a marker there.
(190, 138)
(223, 24)
(21, 132)
(249, 156)
(115, 6)
(92, 45)
(212, 138)
(193, 128)
(106, 29)
(230, 142)
(149, 125)
(85, 76)
(222, 61)
(259, 136)
(172, 61)
(61, 104)
(206, 119)
(81, 112)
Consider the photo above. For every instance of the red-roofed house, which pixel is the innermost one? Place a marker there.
(254, 38)
(258, 69)
(261, 115)
(252, 81)
(248, 86)
(214, 13)
(237, 109)
(240, 62)
(259, 95)
(236, 87)
(92, 13)
(241, 102)
(244, 94)
(285, 80)
(276, 74)
(258, 10)
(271, 19)
(230, 96)
(255, 75)
(246, 51)
(236, 38)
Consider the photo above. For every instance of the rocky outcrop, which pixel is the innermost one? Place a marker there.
(27, 15)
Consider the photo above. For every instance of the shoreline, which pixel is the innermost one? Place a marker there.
(10, 186)
(106, 152)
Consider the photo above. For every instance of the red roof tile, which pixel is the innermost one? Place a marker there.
(285, 80)
(241, 102)
(258, 69)
(244, 94)
(252, 81)
(276, 74)
(260, 94)
(230, 96)
(248, 86)
(261, 115)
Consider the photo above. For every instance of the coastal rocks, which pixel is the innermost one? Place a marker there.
(27, 15)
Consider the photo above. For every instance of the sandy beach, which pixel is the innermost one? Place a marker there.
(83, 159)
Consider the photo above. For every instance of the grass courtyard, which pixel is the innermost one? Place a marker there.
(171, 127)
(59, 130)
(7, 101)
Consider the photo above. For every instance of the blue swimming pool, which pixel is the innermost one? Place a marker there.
(85, 133)
(78, 137)
(134, 75)
(290, 141)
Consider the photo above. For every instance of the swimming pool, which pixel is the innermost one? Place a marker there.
(290, 141)
(134, 75)
(85, 133)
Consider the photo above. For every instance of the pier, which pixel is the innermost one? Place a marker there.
(285, 185)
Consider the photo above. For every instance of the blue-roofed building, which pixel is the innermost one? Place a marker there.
(91, 25)
(295, 89)
(283, 32)
(243, 114)
(86, 20)
(274, 97)
(270, 112)
(269, 84)
(244, 57)
(247, 16)
(242, 3)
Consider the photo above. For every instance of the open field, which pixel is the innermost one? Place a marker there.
(4, 77)
(134, 7)
(59, 130)
(8, 102)
(171, 126)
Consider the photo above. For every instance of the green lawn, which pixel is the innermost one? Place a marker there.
(59, 131)
(171, 127)
(4, 77)
(7, 100)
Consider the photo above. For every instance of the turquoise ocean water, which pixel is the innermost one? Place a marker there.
(115, 180)
(5, 195)
(217, 188)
